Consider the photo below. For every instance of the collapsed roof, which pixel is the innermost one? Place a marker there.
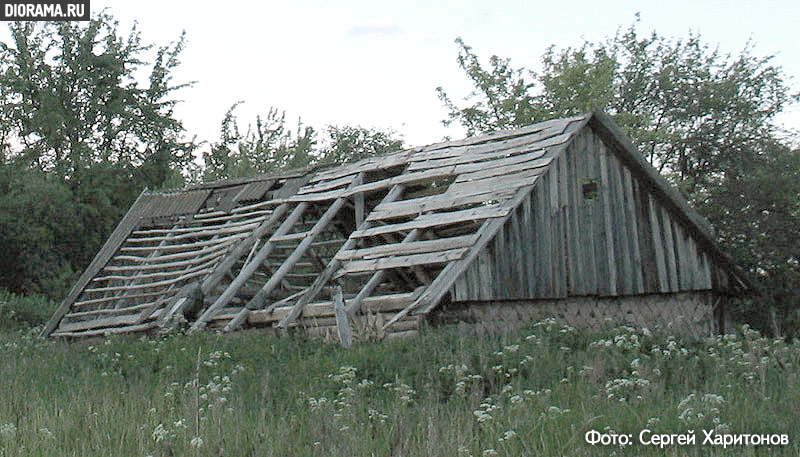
(398, 229)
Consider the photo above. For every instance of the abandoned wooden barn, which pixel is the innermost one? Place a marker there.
(563, 218)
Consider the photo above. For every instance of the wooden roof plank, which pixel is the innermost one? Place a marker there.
(406, 248)
(435, 219)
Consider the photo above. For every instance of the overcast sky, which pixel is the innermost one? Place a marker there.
(377, 64)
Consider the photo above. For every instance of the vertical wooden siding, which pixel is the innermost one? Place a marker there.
(560, 243)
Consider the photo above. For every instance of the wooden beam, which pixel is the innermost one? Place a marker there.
(117, 237)
(286, 266)
(248, 270)
(439, 287)
(342, 321)
(332, 266)
(355, 303)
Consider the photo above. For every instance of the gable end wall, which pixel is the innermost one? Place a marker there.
(559, 243)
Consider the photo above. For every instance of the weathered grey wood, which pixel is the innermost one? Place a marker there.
(625, 283)
(106, 331)
(355, 303)
(122, 231)
(148, 285)
(182, 247)
(105, 299)
(164, 266)
(512, 181)
(385, 263)
(466, 163)
(115, 321)
(201, 232)
(436, 290)
(260, 298)
(314, 290)
(165, 274)
(342, 321)
(143, 236)
(225, 217)
(658, 247)
(290, 237)
(170, 257)
(605, 192)
(320, 186)
(248, 270)
(436, 219)
(445, 200)
(633, 232)
(541, 138)
(405, 248)
(669, 245)
(243, 247)
(110, 311)
(491, 172)
(364, 165)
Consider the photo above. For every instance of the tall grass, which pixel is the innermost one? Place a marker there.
(535, 392)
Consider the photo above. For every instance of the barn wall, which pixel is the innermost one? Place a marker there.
(689, 314)
(619, 240)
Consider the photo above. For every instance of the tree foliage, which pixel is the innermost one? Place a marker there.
(703, 118)
(268, 146)
(85, 123)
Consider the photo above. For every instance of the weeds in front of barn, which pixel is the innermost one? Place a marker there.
(536, 392)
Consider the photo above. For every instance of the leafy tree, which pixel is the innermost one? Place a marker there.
(69, 99)
(264, 147)
(269, 146)
(348, 144)
(703, 118)
(85, 123)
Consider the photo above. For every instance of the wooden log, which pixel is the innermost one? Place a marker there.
(107, 331)
(225, 217)
(166, 274)
(115, 321)
(170, 257)
(95, 301)
(342, 322)
(108, 311)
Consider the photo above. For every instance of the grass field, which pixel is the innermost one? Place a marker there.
(536, 392)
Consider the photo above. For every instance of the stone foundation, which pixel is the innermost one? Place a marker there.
(690, 314)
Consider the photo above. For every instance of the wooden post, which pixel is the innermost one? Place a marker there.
(342, 322)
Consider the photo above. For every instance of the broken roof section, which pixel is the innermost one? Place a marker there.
(396, 229)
